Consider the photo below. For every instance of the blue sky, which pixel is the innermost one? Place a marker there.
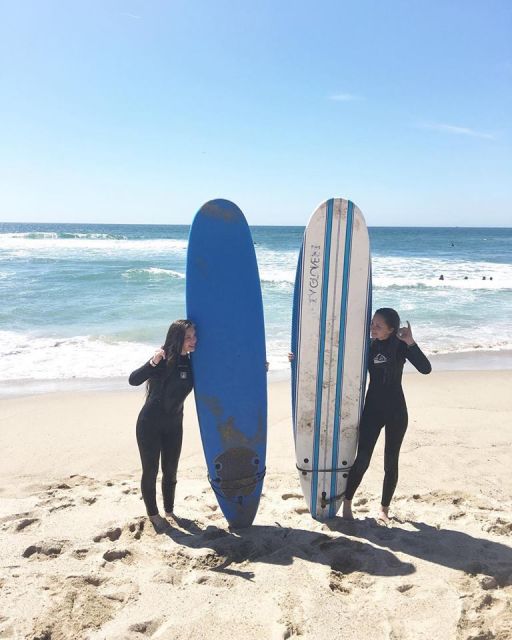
(138, 112)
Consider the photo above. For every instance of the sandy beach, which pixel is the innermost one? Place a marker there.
(80, 560)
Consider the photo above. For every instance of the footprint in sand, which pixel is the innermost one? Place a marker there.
(404, 588)
(501, 527)
(77, 607)
(112, 534)
(292, 623)
(285, 631)
(301, 510)
(169, 575)
(51, 549)
(130, 490)
(346, 583)
(147, 628)
(338, 582)
(134, 529)
(117, 554)
(212, 579)
(20, 525)
(196, 559)
(18, 522)
(483, 617)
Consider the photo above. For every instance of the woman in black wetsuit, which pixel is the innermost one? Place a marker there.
(160, 423)
(385, 404)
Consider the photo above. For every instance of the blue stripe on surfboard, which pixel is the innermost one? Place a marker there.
(341, 355)
(329, 419)
(321, 352)
(296, 316)
(364, 372)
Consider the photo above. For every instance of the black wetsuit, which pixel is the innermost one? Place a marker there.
(385, 407)
(160, 427)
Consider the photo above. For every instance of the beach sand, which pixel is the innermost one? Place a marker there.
(80, 560)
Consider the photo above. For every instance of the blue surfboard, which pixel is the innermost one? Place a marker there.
(230, 383)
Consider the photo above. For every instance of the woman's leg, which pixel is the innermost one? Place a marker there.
(369, 429)
(148, 440)
(171, 450)
(395, 432)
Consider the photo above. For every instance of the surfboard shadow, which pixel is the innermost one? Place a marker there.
(282, 546)
(446, 547)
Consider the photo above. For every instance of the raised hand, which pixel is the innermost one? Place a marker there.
(159, 355)
(405, 334)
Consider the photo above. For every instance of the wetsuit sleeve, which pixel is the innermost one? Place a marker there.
(140, 375)
(417, 358)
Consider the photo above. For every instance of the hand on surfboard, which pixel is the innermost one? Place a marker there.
(405, 334)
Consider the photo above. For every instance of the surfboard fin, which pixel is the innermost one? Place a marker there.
(327, 501)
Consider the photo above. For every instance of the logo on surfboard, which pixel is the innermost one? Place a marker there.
(314, 273)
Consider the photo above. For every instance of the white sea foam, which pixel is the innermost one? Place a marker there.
(393, 271)
(51, 245)
(153, 272)
(447, 283)
(44, 235)
(24, 356)
(278, 276)
(33, 357)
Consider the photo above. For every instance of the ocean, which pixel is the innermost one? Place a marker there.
(92, 302)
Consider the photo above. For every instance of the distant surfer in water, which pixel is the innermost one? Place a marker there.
(160, 423)
(385, 404)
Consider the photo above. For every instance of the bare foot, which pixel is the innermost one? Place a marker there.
(171, 515)
(160, 524)
(347, 510)
(383, 517)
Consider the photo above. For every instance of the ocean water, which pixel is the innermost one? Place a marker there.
(94, 301)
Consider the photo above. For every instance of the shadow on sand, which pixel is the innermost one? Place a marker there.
(446, 547)
(282, 546)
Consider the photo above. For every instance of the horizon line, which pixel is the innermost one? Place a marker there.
(188, 224)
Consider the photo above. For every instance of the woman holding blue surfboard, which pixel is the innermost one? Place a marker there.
(160, 423)
(385, 403)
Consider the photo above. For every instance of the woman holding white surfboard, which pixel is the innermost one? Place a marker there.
(160, 423)
(385, 403)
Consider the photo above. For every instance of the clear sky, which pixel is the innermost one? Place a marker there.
(139, 111)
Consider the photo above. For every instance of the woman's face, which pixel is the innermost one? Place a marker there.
(190, 341)
(379, 330)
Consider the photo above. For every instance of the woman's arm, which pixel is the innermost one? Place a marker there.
(145, 372)
(413, 353)
(417, 358)
(142, 374)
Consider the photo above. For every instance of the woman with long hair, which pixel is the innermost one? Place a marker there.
(385, 404)
(160, 423)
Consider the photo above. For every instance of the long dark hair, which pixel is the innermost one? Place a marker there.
(392, 344)
(173, 344)
(174, 340)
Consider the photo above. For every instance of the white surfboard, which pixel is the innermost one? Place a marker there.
(330, 336)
